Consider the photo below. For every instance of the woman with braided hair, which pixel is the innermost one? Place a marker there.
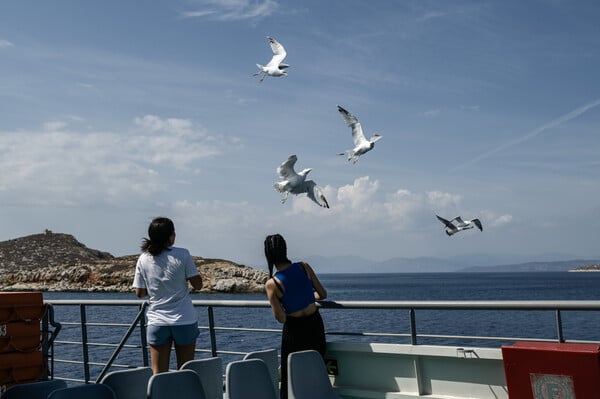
(292, 292)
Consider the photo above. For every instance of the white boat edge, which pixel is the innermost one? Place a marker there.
(403, 371)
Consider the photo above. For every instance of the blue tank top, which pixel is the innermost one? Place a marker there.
(298, 291)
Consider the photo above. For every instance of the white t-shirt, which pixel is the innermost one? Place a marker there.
(165, 278)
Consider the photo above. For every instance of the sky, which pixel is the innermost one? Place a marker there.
(116, 112)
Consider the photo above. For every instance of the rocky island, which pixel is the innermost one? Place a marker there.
(587, 268)
(58, 262)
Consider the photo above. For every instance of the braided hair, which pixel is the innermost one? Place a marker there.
(275, 251)
(159, 231)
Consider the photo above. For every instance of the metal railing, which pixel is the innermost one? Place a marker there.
(134, 328)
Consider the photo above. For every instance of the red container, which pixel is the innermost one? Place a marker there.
(548, 370)
(21, 306)
(20, 367)
(20, 336)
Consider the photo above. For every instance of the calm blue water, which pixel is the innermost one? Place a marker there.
(401, 287)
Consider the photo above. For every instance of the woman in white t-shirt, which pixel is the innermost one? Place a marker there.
(162, 272)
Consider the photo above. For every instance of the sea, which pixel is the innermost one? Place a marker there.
(434, 327)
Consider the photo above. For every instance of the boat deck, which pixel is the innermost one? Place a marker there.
(404, 362)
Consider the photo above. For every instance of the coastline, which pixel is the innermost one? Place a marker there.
(586, 268)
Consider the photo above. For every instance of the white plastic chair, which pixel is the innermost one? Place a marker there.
(307, 377)
(210, 371)
(129, 383)
(178, 384)
(271, 359)
(249, 379)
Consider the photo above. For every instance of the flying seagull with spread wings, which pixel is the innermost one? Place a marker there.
(296, 183)
(275, 67)
(361, 144)
(459, 225)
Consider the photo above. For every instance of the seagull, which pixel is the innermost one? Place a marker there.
(275, 67)
(296, 183)
(361, 144)
(460, 225)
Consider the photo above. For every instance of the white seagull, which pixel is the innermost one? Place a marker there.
(453, 228)
(361, 144)
(275, 67)
(296, 183)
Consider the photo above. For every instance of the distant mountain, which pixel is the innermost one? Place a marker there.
(557, 266)
(340, 264)
(357, 264)
(462, 263)
(46, 250)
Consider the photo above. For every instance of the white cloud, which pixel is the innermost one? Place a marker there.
(197, 14)
(233, 10)
(359, 195)
(153, 123)
(502, 220)
(59, 165)
(432, 113)
(363, 204)
(55, 125)
(5, 43)
(432, 15)
(443, 201)
(174, 141)
(216, 216)
(492, 219)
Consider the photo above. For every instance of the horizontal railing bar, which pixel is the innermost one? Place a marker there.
(100, 302)
(67, 361)
(77, 324)
(467, 305)
(481, 338)
(368, 334)
(69, 379)
(87, 323)
(230, 353)
(128, 346)
(247, 329)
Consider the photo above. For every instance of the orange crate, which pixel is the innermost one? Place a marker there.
(20, 336)
(15, 306)
(19, 367)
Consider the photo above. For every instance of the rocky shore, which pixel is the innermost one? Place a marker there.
(58, 262)
(587, 268)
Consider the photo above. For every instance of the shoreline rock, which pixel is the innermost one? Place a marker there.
(587, 268)
(58, 262)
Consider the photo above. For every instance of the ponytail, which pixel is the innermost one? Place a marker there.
(275, 251)
(159, 231)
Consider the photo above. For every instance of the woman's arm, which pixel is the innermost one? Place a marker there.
(273, 294)
(320, 291)
(141, 292)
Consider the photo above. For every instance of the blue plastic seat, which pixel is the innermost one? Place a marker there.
(33, 390)
(178, 384)
(271, 359)
(88, 391)
(249, 379)
(210, 371)
(307, 377)
(129, 383)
